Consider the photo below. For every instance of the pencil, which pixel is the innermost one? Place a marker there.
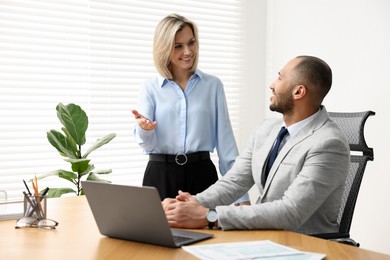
(35, 186)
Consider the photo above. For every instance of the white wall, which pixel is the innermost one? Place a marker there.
(353, 37)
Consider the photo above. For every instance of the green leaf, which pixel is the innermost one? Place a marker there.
(71, 142)
(99, 143)
(75, 120)
(79, 165)
(59, 141)
(51, 173)
(70, 176)
(58, 192)
(103, 171)
(88, 170)
(94, 177)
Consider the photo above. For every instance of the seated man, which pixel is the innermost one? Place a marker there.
(301, 191)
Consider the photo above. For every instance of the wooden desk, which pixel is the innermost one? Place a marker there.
(77, 237)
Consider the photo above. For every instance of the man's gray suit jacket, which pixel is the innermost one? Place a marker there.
(304, 187)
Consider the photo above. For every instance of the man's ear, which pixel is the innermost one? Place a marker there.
(299, 92)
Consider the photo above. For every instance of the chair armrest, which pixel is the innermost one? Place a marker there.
(331, 235)
(338, 237)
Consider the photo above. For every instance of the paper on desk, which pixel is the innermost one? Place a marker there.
(250, 250)
(11, 209)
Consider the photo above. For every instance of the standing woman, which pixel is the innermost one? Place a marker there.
(182, 115)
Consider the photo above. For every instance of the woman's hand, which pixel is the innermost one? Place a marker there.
(143, 122)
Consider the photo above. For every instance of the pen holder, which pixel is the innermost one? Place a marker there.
(35, 206)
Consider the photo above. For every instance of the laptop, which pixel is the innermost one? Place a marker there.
(134, 213)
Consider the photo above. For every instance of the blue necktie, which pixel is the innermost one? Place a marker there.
(274, 152)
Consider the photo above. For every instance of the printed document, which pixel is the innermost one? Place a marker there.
(250, 250)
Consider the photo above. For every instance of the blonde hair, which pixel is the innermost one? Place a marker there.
(164, 41)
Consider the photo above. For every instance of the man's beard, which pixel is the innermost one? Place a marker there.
(284, 103)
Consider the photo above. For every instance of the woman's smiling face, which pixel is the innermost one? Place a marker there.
(184, 50)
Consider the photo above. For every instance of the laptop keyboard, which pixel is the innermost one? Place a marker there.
(181, 239)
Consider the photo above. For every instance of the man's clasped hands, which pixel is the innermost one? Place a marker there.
(185, 211)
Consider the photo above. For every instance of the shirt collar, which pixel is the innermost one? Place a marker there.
(163, 81)
(295, 128)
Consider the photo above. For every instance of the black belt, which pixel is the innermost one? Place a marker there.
(180, 158)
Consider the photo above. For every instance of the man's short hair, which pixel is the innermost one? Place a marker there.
(315, 74)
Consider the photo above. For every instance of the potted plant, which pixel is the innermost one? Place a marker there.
(69, 144)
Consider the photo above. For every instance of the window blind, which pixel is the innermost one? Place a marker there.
(95, 54)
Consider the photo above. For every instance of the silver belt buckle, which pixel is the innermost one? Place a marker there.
(177, 159)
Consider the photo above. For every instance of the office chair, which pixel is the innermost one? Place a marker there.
(352, 124)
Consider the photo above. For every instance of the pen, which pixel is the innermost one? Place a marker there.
(45, 191)
(28, 190)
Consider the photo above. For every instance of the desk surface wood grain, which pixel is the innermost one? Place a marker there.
(77, 237)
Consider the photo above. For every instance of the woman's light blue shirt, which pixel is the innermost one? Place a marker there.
(193, 120)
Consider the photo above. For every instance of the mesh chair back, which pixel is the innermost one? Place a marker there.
(352, 124)
(351, 191)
